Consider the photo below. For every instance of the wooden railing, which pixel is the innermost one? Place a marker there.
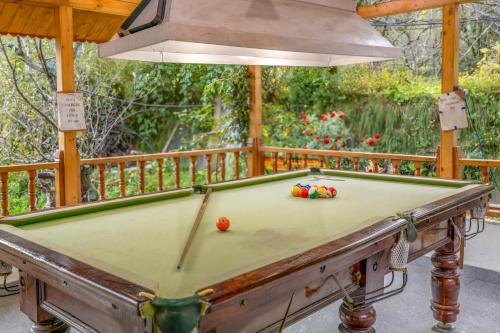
(216, 164)
(159, 160)
(485, 167)
(294, 158)
(216, 167)
(32, 171)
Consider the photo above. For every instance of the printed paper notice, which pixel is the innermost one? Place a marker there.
(452, 112)
(71, 112)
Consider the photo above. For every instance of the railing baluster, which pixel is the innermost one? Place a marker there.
(32, 189)
(193, 169)
(122, 183)
(289, 161)
(418, 167)
(4, 177)
(395, 167)
(209, 169)
(159, 163)
(338, 162)
(375, 165)
(305, 161)
(322, 162)
(355, 160)
(142, 185)
(275, 162)
(177, 162)
(102, 181)
(237, 164)
(485, 171)
(223, 166)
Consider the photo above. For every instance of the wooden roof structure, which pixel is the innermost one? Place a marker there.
(93, 20)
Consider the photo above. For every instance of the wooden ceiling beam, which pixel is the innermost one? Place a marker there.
(404, 6)
(114, 7)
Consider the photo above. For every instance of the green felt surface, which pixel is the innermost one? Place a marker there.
(143, 243)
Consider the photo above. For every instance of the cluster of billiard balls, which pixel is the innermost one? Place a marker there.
(313, 191)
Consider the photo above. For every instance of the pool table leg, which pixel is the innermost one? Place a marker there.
(359, 320)
(43, 322)
(53, 325)
(445, 280)
(362, 319)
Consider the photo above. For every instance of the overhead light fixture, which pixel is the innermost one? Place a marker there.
(249, 32)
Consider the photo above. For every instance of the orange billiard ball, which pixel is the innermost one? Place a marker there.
(222, 223)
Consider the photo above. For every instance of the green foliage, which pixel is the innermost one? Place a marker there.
(388, 100)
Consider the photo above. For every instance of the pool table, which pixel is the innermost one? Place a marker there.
(111, 266)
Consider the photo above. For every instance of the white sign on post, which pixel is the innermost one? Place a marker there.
(71, 112)
(452, 112)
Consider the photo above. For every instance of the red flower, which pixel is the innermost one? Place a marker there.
(305, 147)
(303, 116)
(341, 116)
(318, 138)
(371, 142)
(332, 114)
(377, 136)
(326, 141)
(323, 115)
(334, 148)
(344, 144)
(308, 122)
(337, 138)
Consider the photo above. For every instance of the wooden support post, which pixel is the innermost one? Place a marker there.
(403, 6)
(449, 80)
(255, 157)
(71, 194)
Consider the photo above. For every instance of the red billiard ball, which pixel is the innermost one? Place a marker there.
(332, 191)
(304, 192)
(222, 223)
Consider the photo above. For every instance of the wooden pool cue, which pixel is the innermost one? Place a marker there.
(194, 228)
